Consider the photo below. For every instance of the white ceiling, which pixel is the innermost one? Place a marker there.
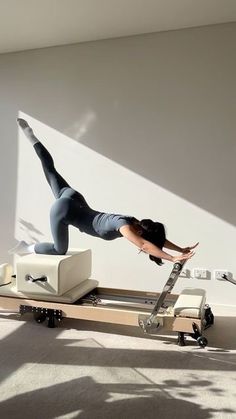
(27, 24)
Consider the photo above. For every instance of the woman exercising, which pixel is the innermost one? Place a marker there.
(70, 208)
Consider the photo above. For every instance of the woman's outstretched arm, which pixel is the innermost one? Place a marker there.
(169, 245)
(129, 232)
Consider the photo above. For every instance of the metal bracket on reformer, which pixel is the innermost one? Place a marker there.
(150, 323)
(42, 314)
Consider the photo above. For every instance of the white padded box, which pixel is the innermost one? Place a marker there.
(52, 274)
(190, 303)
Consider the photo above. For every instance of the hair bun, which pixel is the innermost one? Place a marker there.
(158, 261)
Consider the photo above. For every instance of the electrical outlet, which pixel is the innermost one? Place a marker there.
(218, 274)
(185, 273)
(200, 273)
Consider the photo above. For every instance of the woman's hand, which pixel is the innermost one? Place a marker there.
(189, 249)
(184, 256)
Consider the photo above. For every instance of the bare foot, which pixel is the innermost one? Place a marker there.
(20, 249)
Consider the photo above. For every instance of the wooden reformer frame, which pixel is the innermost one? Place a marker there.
(151, 311)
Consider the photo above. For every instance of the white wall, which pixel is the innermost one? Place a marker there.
(141, 125)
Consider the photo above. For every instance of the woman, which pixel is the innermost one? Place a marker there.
(70, 208)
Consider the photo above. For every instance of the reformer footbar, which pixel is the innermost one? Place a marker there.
(150, 323)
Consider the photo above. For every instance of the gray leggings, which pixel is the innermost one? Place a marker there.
(70, 208)
(61, 213)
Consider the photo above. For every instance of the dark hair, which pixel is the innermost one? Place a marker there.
(155, 233)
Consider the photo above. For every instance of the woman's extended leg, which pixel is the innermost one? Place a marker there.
(59, 211)
(55, 180)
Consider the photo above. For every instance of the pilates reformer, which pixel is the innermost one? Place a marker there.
(53, 288)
